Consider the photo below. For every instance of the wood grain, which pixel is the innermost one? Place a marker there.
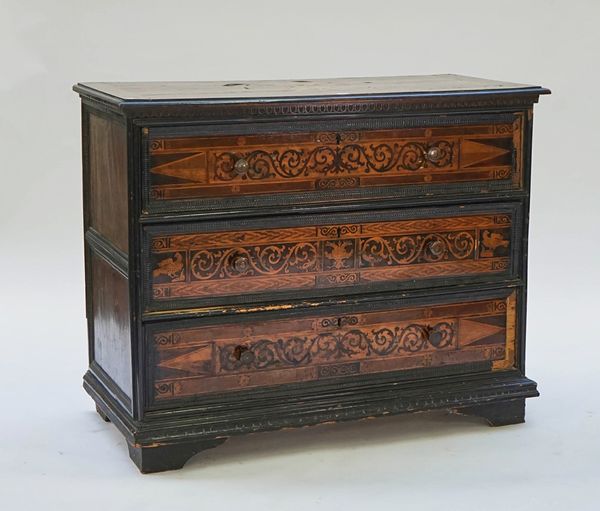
(326, 256)
(204, 359)
(202, 167)
(335, 87)
(303, 251)
(108, 210)
(110, 324)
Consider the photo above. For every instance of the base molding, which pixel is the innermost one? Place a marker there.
(166, 439)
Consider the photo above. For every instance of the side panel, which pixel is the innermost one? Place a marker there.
(108, 180)
(111, 326)
(106, 226)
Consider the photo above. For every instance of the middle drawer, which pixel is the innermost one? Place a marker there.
(242, 261)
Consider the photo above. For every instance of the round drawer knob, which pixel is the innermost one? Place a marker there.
(434, 337)
(434, 154)
(436, 248)
(241, 167)
(240, 264)
(247, 357)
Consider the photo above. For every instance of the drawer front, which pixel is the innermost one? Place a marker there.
(202, 359)
(188, 168)
(316, 256)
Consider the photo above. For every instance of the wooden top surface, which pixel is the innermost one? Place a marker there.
(389, 86)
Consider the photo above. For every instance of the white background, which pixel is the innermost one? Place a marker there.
(55, 452)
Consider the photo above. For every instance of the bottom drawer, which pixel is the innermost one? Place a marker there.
(197, 358)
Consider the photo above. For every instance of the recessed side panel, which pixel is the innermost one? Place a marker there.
(107, 180)
(111, 328)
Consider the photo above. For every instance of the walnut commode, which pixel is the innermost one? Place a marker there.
(272, 254)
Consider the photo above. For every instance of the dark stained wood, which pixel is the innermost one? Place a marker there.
(107, 149)
(213, 166)
(264, 255)
(335, 87)
(102, 414)
(111, 327)
(161, 457)
(502, 413)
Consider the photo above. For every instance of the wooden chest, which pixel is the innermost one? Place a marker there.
(274, 254)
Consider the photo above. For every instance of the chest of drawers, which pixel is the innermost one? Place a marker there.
(273, 254)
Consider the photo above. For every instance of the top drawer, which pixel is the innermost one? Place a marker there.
(245, 165)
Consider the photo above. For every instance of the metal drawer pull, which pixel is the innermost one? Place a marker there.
(434, 154)
(436, 248)
(240, 264)
(241, 167)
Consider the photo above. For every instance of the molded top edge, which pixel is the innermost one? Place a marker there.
(391, 87)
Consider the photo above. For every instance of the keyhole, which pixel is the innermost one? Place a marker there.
(238, 350)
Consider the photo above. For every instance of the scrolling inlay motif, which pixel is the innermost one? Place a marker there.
(328, 255)
(333, 346)
(327, 160)
(413, 153)
(213, 358)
